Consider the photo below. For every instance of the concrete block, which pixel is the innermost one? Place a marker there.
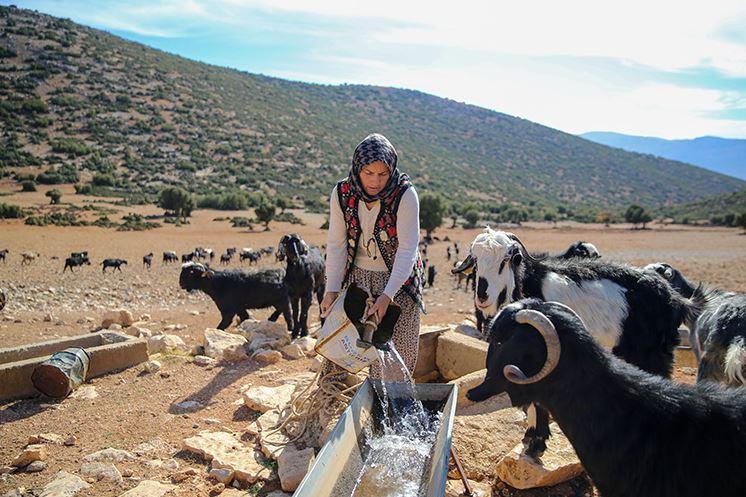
(458, 355)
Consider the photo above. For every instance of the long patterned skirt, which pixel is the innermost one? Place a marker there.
(407, 328)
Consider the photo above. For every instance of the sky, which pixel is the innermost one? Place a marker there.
(643, 67)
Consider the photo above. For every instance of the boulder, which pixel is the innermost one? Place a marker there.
(35, 467)
(307, 345)
(267, 343)
(227, 452)
(293, 351)
(152, 367)
(64, 485)
(187, 406)
(455, 488)
(110, 455)
(458, 355)
(98, 471)
(274, 444)
(559, 463)
(121, 317)
(465, 383)
(149, 488)
(250, 328)
(203, 360)
(46, 438)
(264, 423)
(33, 452)
(267, 356)
(224, 346)
(224, 476)
(167, 343)
(263, 399)
(292, 466)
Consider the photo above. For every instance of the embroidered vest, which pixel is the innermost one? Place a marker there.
(384, 234)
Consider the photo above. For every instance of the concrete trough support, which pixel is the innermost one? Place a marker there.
(109, 351)
(426, 369)
(458, 355)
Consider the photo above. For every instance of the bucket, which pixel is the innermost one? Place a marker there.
(338, 340)
(62, 373)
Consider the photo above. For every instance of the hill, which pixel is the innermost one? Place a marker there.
(718, 209)
(88, 104)
(722, 155)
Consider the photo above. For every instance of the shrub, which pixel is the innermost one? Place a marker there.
(55, 196)
(28, 186)
(9, 211)
(103, 179)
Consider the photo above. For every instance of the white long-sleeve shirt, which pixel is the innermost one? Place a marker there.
(408, 234)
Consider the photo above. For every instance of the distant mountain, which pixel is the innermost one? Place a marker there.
(86, 102)
(723, 155)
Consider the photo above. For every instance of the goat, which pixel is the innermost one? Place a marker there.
(170, 256)
(74, 261)
(249, 254)
(631, 312)
(718, 334)
(431, 272)
(115, 263)
(236, 291)
(28, 257)
(304, 276)
(231, 250)
(3, 253)
(581, 249)
(187, 257)
(147, 260)
(636, 434)
(225, 259)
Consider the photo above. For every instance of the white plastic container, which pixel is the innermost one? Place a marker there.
(338, 337)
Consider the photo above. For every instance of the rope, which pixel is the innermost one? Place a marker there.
(332, 397)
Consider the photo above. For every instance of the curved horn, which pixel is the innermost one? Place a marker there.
(525, 251)
(571, 311)
(544, 326)
(466, 264)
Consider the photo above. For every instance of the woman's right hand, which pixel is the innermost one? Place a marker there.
(327, 301)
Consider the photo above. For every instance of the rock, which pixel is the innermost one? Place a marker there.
(70, 441)
(226, 452)
(468, 329)
(465, 383)
(5, 470)
(455, 488)
(292, 466)
(152, 367)
(64, 485)
(187, 406)
(203, 360)
(122, 317)
(110, 455)
(170, 465)
(273, 329)
(101, 471)
(273, 445)
(166, 343)
(154, 447)
(458, 355)
(33, 452)
(278, 493)
(85, 392)
(267, 356)
(224, 346)
(481, 438)
(17, 492)
(115, 327)
(293, 351)
(316, 364)
(149, 488)
(264, 423)
(35, 467)
(127, 473)
(224, 476)
(307, 345)
(46, 438)
(145, 317)
(48, 318)
(263, 399)
(559, 463)
(217, 489)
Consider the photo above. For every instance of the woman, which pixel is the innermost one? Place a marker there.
(374, 232)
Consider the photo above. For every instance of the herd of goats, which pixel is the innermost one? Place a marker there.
(586, 340)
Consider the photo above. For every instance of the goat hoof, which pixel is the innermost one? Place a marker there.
(535, 448)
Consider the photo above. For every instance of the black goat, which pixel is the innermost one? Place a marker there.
(236, 291)
(304, 276)
(718, 334)
(634, 314)
(249, 254)
(431, 272)
(170, 256)
(3, 253)
(188, 257)
(636, 434)
(75, 261)
(147, 260)
(115, 263)
(225, 259)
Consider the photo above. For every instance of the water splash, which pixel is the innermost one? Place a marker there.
(398, 453)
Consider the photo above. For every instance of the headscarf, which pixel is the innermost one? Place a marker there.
(375, 147)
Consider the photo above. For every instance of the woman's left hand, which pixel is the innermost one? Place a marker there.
(380, 306)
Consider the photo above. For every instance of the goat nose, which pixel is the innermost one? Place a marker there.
(482, 289)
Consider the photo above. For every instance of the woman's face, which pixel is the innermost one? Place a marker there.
(374, 177)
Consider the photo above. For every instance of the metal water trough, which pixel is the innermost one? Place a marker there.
(340, 460)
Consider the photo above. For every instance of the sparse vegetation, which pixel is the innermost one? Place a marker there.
(9, 211)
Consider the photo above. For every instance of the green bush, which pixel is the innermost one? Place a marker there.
(83, 189)
(241, 222)
(104, 179)
(9, 211)
(232, 201)
(289, 217)
(70, 146)
(55, 195)
(28, 186)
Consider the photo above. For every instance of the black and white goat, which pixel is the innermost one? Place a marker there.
(304, 276)
(718, 334)
(631, 312)
(581, 249)
(170, 256)
(636, 434)
(75, 261)
(234, 292)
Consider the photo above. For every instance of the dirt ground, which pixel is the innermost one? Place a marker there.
(133, 408)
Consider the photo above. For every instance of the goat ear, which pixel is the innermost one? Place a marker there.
(303, 248)
(516, 258)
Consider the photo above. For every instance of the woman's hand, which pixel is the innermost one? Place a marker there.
(327, 301)
(379, 307)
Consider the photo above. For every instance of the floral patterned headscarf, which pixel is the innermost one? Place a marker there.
(375, 147)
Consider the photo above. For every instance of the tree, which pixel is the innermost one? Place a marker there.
(28, 186)
(604, 217)
(741, 221)
(283, 203)
(177, 200)
(455, 210)
(55, 196)
(432, 209)
(472, 218)
(265, 212)
(635, 215)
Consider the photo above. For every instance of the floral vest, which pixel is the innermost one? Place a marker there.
(384, 234)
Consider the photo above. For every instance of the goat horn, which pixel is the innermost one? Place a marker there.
(571, 311)
(544, 326)
(525, 251)
(467, 263)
